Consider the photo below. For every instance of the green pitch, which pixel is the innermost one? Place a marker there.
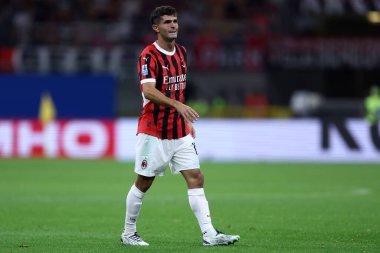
(78, 206)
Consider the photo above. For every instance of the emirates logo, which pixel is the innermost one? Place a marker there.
(144, 164)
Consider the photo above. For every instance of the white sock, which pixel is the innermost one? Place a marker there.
(133, 202)
(199, 205)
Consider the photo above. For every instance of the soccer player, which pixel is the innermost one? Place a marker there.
(165, 131)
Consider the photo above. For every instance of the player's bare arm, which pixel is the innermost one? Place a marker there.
(154, 95)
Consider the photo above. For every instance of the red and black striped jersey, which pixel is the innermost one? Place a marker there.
(168, 70)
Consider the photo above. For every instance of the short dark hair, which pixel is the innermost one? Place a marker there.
(160, 11)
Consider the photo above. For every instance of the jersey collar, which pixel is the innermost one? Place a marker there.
(163, 50)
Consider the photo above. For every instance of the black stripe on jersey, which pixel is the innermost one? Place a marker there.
(159, 73)
(167, 109)
(156, 110)
(175, 125)
(147, 62)
(179, 48)
(183, 71)
(182, 68)
(177, 93)
(183, 126)
(183, 53)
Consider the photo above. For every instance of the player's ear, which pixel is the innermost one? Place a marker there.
(155, 28)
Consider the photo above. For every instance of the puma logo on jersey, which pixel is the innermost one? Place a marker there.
(146, 58)
(183, 63)
(166, 67)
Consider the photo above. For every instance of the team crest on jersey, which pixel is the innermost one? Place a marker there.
(144, 164)
(144, 71)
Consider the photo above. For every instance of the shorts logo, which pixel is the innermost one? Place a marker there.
(144, 164)
(145, 70)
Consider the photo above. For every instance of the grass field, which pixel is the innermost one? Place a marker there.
(78, 206)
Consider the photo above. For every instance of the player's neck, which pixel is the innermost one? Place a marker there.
(167, 45)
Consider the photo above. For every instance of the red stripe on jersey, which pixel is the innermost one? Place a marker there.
(169, 73)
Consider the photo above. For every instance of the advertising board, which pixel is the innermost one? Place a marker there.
(313, 140)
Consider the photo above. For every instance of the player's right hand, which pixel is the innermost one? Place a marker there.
(187, 112)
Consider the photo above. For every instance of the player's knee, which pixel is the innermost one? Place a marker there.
(144, 187)
(144, 183)
(201, 178)
(198, 180)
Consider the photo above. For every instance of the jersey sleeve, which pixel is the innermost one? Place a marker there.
(147, 68)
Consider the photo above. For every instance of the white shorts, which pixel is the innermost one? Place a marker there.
(153, 155)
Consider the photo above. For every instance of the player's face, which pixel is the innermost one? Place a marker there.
(167, 28)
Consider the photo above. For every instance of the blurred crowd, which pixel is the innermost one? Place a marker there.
(110, 22)
(260, 51)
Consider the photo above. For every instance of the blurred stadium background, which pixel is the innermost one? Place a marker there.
(274, 63)
(274, 81)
